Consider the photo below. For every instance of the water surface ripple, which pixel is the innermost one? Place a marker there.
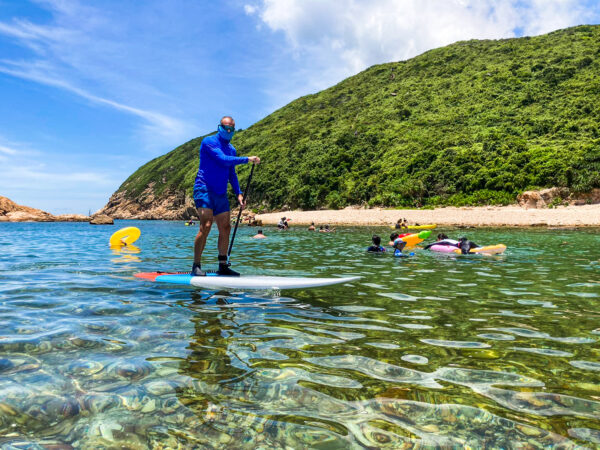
(428, 351)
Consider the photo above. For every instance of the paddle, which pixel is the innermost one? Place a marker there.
(240, 213)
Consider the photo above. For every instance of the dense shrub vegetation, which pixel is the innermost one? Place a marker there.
(475, 122)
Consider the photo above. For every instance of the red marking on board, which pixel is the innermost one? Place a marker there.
(152, 275)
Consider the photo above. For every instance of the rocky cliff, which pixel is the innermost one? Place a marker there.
(171, 205)
(12, 212)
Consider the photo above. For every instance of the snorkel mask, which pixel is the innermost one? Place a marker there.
(226, 132)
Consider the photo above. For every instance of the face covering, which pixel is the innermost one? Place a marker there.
(227, 135)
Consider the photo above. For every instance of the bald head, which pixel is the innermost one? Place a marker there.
(228, 121)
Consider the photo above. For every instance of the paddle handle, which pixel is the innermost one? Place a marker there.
(237, 222)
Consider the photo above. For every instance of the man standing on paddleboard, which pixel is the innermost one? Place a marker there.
(217, 167)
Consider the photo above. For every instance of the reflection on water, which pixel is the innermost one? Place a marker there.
(126, 254)
(434, 351)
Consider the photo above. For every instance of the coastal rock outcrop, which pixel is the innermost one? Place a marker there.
(171, 205)
(589, 198)
(101, 219)
(542, 198)
(71, 218)
(12, 212)
(555, 196)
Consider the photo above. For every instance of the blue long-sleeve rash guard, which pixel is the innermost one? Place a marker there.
(217, 165)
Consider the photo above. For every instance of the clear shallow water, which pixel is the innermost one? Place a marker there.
(427, 351)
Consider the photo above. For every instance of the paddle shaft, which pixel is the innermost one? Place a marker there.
(239, 217)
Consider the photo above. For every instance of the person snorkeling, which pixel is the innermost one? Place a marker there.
(376, 247)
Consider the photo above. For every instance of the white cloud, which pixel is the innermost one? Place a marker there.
(72, 55)
(26, 168)
(14, 149)
(249, 9)
(56, 187)
(7, 150)
(20, 177)
(156, 124)
(338, 39)
(51, 182)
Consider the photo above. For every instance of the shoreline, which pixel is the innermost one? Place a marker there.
(476, 216)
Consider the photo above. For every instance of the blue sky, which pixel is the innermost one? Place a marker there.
(90, 91)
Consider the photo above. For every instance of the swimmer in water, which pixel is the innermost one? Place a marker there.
(395, 236)
(376, 247)
(399, 245)
(466, 245)
(312, 227)
(259, 235)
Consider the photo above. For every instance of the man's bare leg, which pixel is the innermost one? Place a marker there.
(224, 225)
(223, 221)
(206, 221)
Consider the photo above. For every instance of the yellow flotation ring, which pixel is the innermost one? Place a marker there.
(124, 236)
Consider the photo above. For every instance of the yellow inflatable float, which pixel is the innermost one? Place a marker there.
(416, 238)
(124, 236)
(487, 250)
(429, 226)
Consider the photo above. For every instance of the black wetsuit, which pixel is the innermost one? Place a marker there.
(466, 246)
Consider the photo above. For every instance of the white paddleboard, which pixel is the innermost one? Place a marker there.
(214, 281)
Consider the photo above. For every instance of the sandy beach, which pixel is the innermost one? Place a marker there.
(491, 216)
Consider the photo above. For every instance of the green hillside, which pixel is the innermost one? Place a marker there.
(475, 122)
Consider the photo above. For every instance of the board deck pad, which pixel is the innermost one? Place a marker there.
(214, 280)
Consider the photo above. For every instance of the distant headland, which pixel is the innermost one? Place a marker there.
(12, 212)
